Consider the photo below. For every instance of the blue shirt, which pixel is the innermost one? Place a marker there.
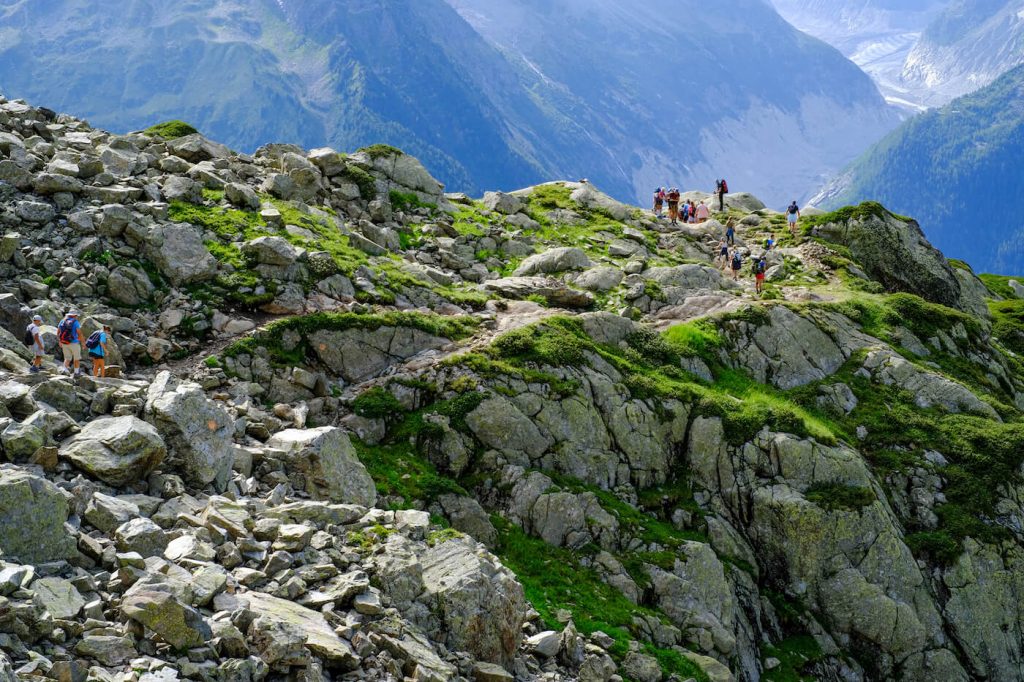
(76, 327)
(98, 350)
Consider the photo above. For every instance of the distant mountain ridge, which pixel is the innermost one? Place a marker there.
(957, 169)
(922, 53)
(612, 92)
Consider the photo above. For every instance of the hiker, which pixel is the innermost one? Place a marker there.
(723, 254)
(769, 243)
(730, 232)
(659, 201)
(69, 336)
(737, 263)
(759, 267)
(723, 189)
(97, 345)
(673, 205)
(684, 215)
(793, 215)
(34, 340)
(703, 212)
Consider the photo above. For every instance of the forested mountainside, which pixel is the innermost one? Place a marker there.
(956, 169)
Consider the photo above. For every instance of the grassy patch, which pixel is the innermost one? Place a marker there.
(1008, 323)
(999, 285)
(864, 211)
(700, 339)
(377, 403)
(796, 654)
(837, 496)
(403, 476)
(361, 179)
(553, 579)
(171, 130)
(407, 202)
(381, 151)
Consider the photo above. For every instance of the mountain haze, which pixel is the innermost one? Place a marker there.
(605, 90)
(957, 169)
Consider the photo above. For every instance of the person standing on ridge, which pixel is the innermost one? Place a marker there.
(673, 205)
(659, 201)
(723, 189)
(69, 335)
(35, 332)
(793, 215)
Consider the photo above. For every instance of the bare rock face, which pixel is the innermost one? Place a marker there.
(118, 451)
(197, 432)
(34, 512)
(323, 462)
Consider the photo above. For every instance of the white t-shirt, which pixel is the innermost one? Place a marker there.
(36, 331)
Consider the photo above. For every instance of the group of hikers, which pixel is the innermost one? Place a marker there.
(729, 258)
(72, 344)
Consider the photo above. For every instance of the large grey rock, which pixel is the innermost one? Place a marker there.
(198, 432)
(897, 254)
(270, 251)
(58, 596)
(321, 639)
(178, 251)
(118, 451)
(928, 388)
(501, 426)
(141, 536)
(129, 286)
(554, 260)
(178, 624)
(323, 462)
(600, 278)
(33, 512)
(360, 354)
(20, 441)
(196, 148)
(554, 291)
(503, 203)
(402, 170)
(479, 602)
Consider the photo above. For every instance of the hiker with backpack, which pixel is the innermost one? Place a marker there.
(659, 201)
(759, 267)
(769, 243)
(34, 340)
(730, 232)
(673, 205)
(722, 189)
(97, 346)
(69, 336)
(737, 263)
(723, 255)
(793, 215)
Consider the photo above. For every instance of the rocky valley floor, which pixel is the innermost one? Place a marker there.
(361, 429)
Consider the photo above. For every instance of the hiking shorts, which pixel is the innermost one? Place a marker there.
(38, 350)
(72, 351)
(792, 218)
(760, 277)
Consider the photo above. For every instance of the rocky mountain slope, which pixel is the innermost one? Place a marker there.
(478, 114)
(361, 429)
(955, 169)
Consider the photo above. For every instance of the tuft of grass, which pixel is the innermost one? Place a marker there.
(361, 179)
(170, 130)
(700, 339)
(403, 476)
(839, 496)
(381, 151)
(377, 403)
(407, 201)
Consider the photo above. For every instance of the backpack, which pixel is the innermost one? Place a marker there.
(725, 186)
(30, 338)
(793, 209)
(737, 262)
(93, 341)
(65, 331)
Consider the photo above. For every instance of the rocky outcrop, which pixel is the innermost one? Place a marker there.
(323, 463)
(894, 251)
